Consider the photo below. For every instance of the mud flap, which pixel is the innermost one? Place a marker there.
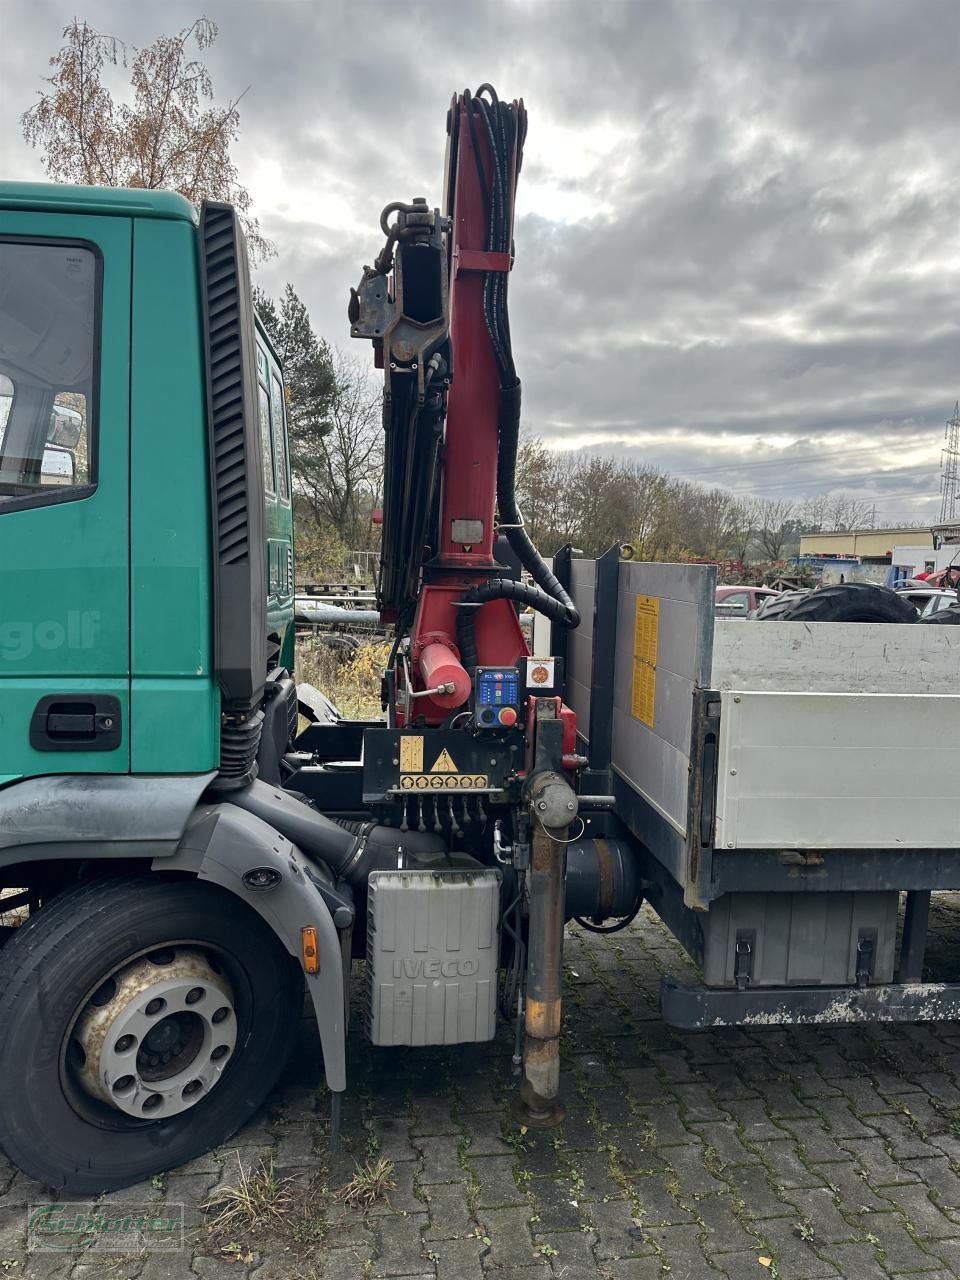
(238, 851)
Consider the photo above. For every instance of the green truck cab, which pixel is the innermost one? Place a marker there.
(107, 561)
(146, 646)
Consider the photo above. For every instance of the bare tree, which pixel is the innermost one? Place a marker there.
(774, 524)
(740, 530)
(813, 514)
(343, 486)
(835, 512)
(845, 511)
(172, 136)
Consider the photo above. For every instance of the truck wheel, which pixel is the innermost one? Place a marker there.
(144, 1020)
(842, 602)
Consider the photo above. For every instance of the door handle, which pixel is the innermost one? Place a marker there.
(76, 722)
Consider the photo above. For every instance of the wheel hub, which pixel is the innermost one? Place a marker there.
(157, 1035)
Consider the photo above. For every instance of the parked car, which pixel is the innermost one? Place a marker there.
(738, 602)
(925, 596)
(938, 600)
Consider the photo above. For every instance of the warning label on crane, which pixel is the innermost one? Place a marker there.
(411, 753)
(646, 632)
(444, 763)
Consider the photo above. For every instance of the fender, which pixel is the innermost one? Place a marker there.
(96, 815)
(223, 843)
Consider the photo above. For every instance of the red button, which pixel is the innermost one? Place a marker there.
(508, 716)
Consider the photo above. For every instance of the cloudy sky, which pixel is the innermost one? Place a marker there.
(738, 229)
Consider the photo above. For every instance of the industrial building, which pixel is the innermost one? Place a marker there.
(867, 544)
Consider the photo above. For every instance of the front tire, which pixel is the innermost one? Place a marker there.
(94, 948)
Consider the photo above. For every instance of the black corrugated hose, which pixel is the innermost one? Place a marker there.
(506, 128)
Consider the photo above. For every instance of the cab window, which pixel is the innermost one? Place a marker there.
(266, 440)
(49, 322)
(736, 604)
(280, 438)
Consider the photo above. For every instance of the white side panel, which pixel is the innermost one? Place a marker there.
(855, 657)
(837, 770)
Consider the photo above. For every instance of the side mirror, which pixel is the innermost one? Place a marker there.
(65, 426)
(58, 466)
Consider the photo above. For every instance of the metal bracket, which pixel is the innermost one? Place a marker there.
(743, 957)
(866, 951)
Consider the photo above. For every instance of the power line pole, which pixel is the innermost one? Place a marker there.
(950, 467)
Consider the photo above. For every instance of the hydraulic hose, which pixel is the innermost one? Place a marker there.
(502, 589)
(505, 128)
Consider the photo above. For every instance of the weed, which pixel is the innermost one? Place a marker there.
(351, 681)
(370, 1183)
(259, 1201)
(310, 1229)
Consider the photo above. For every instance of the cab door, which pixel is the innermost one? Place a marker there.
(64, 493)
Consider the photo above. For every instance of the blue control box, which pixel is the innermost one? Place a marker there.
(496, 697)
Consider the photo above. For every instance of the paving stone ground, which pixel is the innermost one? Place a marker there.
(796, 1153)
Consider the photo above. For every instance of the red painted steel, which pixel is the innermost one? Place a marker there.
(471, 445)
(440, 665)
(473, 406)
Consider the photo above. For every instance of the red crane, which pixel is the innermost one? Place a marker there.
(456, 561)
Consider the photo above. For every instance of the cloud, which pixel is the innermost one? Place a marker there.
(738, 228)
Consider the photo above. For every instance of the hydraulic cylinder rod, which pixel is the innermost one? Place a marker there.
(540, 1087)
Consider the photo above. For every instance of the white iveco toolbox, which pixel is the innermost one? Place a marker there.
(432, 954)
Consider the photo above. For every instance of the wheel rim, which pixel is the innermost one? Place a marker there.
(157, 1035)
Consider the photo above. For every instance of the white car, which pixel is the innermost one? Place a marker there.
(936, 601)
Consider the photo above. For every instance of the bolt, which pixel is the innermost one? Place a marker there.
(737, 698)
(493, 759)
(571, 806)
(542, 805)
(396, 759)
(729, 844)
(108, 723)
(733, 773)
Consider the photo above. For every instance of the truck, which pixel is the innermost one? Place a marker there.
(191, 844)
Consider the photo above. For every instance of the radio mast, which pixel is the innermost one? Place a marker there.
(950, 467)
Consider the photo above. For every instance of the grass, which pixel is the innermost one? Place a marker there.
(351, 681)
(260, 1201)
(370, 1183)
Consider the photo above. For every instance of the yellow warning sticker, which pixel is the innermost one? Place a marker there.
(646, 632)
(411, 753)
(444, 763)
